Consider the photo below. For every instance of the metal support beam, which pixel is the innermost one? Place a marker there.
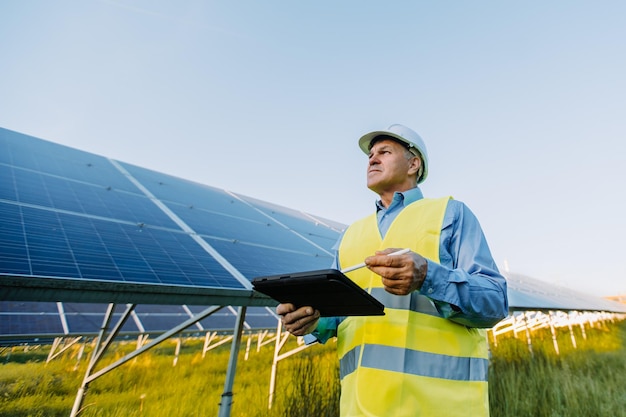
(155, 342)
(227, 395)
(553, 331)
(94, 359)
(528, 339)
(101, 348)
(280, 342)
(58, 341)
(571, 333)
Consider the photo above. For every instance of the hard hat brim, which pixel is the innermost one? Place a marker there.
(364, 142)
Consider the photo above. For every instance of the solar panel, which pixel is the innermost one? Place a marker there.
(527, 293)
(79, 227)
(25, 321)
(31, 319)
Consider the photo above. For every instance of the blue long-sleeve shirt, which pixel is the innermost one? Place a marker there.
(466, 287)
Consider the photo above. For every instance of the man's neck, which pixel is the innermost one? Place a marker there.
(386, 198)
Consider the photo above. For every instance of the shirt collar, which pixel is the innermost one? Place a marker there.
(404, 198)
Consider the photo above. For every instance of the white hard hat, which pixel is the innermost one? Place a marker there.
(405, 135)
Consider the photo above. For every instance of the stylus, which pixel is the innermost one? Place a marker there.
(362, 264)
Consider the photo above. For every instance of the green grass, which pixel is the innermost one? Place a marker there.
(587, 381)
(150, 385)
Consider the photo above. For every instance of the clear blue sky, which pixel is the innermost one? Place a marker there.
(522, 106)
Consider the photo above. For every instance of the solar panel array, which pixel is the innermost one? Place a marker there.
(78, 230)
(79, 227)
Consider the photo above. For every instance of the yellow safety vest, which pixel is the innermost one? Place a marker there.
(411, 361)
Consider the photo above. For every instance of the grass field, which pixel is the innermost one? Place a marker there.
(587, 381)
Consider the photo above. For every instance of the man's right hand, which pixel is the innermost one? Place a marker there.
(299, 321)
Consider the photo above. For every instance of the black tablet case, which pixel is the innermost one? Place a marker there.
(327, 290)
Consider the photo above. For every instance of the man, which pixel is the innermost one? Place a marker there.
(427, 356)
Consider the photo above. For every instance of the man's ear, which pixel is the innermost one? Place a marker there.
(414, 165)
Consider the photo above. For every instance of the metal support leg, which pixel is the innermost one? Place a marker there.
(94, 358)
(227, 395)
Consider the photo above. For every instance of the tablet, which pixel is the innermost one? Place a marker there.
(327, 290)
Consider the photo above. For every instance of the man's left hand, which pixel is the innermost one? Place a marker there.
(401, 274)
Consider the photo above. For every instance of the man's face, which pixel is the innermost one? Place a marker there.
(389, 169)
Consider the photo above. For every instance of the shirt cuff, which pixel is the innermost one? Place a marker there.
(434, 287)
(435, 275)
(310, 339)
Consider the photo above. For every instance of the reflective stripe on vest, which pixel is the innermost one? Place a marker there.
(414, 302)
(415, 363)
(410, 361)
